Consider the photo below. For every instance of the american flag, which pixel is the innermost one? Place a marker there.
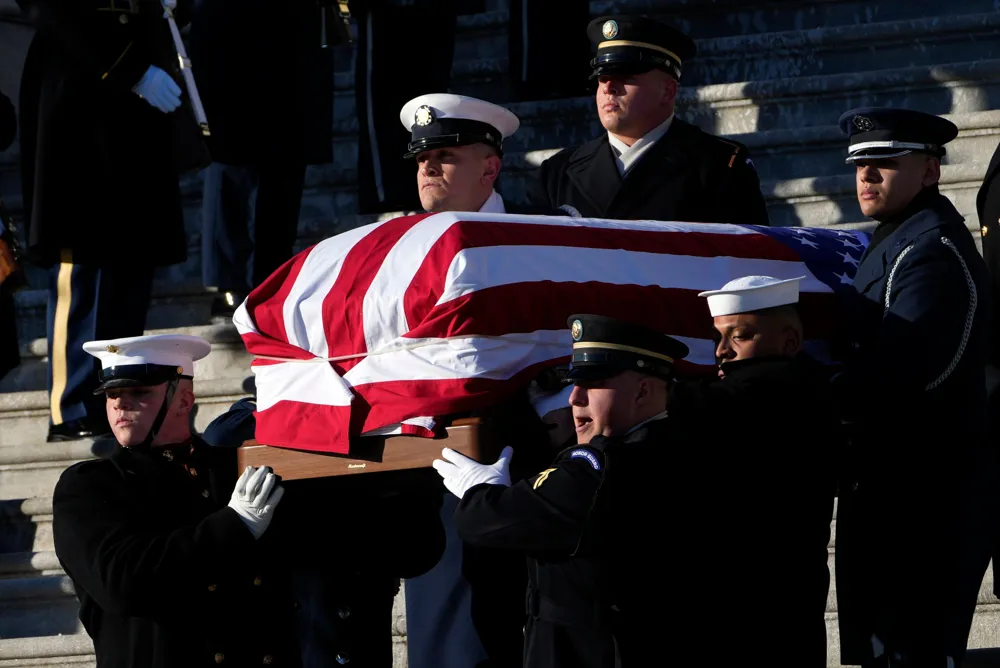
(382, 328)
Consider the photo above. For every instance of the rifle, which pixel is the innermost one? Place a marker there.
(185, 63)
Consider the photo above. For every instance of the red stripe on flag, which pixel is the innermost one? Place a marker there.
(428, 283)
(303, 426)
(265, 303)
(343, 305)
(545, 305)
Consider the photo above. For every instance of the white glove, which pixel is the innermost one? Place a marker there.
(159, 89)
(461, 473)
(256, 496)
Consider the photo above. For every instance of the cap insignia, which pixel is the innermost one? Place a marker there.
(640, 363)
(609, 29)
(180, 371)
(112, 348)
(863, 123)
(423, 116)
(577, 330)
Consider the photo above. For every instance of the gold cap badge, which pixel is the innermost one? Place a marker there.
(577, 330)
(609, 29)
(112, 349)
(423, 116)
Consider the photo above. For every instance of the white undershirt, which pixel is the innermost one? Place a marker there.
(493, 204)
(629, 155)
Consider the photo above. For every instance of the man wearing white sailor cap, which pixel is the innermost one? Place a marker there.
(159, 537)
(755, 316)
(759, 441)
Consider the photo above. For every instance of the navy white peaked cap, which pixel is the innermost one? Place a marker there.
(882, 132)
(142, 361)
(752, 293)
(440, 120)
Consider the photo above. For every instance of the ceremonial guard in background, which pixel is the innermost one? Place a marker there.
(9, 354)
(344, 589)
(765, 481)
(405, 49)
(468, 610)
(266, 78)
(104, 135)
(161, 539)
(915, 392)
(649, 164)
(547, 48)
(584, 521)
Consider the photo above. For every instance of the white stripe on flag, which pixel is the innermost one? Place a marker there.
(305, 382)
(489, 266)
(462, 357)
(303, 308)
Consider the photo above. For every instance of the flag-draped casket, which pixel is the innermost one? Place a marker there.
(386, 327)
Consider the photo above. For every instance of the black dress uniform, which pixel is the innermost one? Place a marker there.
(687, 175)
(266, 80)
(167, 573)
(917, 506)
(344, 583)
(590, 568)
(99, 172)
(760, 495)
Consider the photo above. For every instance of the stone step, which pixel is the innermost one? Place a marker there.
(26, 525)
(913, 42)
(38, 606)
(28, 564)
(228, 359)
(74, 650)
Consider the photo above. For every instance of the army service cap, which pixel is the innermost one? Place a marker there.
(143, 361)
(604, 347)
(882, 132)
(637, 44)
(440, 120)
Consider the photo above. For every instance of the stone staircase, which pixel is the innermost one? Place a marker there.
(773, 75)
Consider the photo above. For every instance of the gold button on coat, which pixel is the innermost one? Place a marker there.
(212, 587)
(256, 582)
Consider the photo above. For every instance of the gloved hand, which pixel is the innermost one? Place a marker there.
(256, 496)
(461, 473)
(159, 89)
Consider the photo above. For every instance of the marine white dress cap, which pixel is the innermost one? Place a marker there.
(426, 109)
(752, 293)
(176, 350)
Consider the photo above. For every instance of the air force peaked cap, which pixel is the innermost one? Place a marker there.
(637, 44)
(142, 361)
(881, 132)
(604, 347)
(752, 293)
(440, 120)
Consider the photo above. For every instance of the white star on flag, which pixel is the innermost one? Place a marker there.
(849, 258)
(850, 244)
(806, 242)
(844, 278)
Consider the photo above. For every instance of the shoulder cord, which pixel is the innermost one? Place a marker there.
(969, 316)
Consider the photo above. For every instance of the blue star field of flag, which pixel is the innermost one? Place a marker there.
(832, 256)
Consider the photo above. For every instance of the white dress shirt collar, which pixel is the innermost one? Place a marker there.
(493, 204)
(627, 155)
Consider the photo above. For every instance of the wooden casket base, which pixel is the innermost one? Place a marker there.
(373, 454)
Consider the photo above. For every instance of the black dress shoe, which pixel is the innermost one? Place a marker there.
(77, 429)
